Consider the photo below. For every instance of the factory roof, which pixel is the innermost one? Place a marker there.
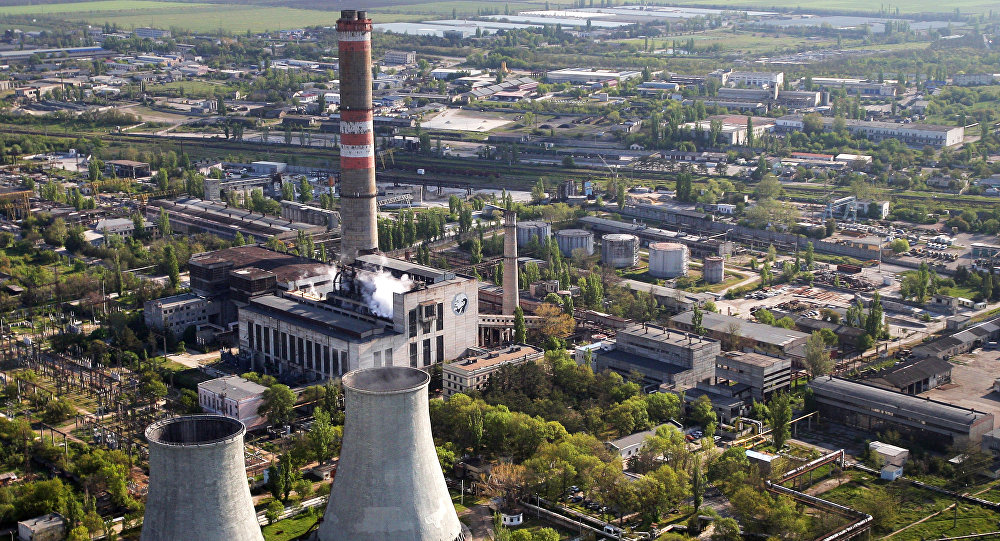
(892, 402)
(664, 335)
(903, 374)
(877, 124)
(678, 295)
(758, 332)
(494, 358)
(320, 319)
(235, 219)
(177, 299)
(286, 267)
(400, 266)
(754, 359)
(943, 346)
(233, 387)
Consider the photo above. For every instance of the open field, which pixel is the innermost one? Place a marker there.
(138, 6)
(912, 6)
(462, 120)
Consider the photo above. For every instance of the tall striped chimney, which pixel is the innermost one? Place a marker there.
(359, 233)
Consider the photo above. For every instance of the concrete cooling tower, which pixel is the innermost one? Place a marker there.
(389, 485)
(197, 481)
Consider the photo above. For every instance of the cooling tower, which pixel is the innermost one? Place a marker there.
(359, 233)
(389, 485)
(511, 293)
(198, 482)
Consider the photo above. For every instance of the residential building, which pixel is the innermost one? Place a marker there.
(400, 58)
(975, 79)
(660, 355)
(151, 33)
(915, 135)
(764, 375)
(874, 409)
(234, 397)
(473, 372)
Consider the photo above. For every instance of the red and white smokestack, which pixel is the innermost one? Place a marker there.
(359, 233)
(510, 283)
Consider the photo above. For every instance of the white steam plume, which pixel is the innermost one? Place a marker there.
(377, 289)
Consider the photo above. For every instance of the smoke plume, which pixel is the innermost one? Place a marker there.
(377, 289)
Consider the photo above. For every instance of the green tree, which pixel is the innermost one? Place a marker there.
(810, 256)
(170, 262)
(817, 359)
(900, 246)
(163, 223)
(696, 320)
(780, 415)
(277, 405)
(520, 327)
(305, 191)
(322, 436)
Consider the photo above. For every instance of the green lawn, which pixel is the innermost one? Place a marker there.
(290, 528)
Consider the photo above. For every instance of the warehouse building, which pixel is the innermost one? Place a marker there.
(663, 356)
(961, 342)
(233, 397)
(874, 409)
(914, 135)
(913, 377)
(856, 87)
(763, 375)
(751, 336)
(590, 75)
(192, 216)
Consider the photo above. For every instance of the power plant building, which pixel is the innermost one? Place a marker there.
(663, 356)
(389, 485)
(379, 312)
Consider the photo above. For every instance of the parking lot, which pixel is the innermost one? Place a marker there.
(971, 384)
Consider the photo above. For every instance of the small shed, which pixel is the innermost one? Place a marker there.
(891, 473)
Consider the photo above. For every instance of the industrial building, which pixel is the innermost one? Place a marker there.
(126, 169)
(763, 375)
(914, 376)
(874, 409)
(308, 214)
(570, 240)
(674, 300)
(914, 135)
(191, 216)
(661, 355)
(961, 342)
(51, 527)
(378, 312)
(177, 313)
(668, 259)
(389, 484)
(198, 482)
(856, 87)
(728, 401)
(233, 397)
(751, 336)
(629, 446)
(761, 79)
(590, 75)
(733, 127)
(473, 372)
(698, 246)
(619, 250)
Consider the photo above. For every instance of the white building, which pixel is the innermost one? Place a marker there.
(856, 87)
(630, 446)
(914, 135)
(430, 317)
(151, 33)
(591, 75)
(119, 227)
(881, 212)
(757, 78)
(975, 79)
(234, 397)
(400, 58)
(51, 527)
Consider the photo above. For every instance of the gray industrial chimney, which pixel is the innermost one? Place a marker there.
(511, 293)
(197, 481)
(389, 485)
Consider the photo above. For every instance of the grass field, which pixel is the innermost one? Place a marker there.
(290, 528)
(96, 6)
(910, 6)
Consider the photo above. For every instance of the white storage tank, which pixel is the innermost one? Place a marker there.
(571, 239)
(668, 260)
(527, 230)
(714, 270)
(620, 250)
